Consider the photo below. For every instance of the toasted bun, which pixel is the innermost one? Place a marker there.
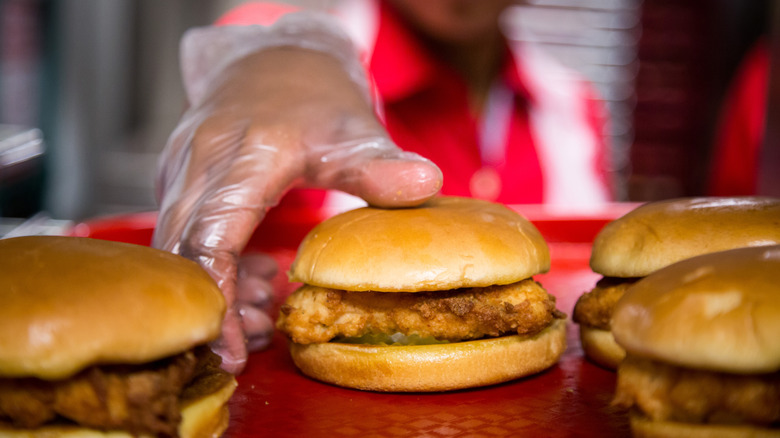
(719, 312)
(447, 243)
(643, 427)
(658, 234)
(69, 302)
(439, 367)
(600, 346)
(206, 416)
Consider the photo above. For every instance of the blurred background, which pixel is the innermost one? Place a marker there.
(90, 90)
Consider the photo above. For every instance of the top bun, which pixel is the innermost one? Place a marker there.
(658, 234)
(446, 243)
(719, 312)
(70, 302)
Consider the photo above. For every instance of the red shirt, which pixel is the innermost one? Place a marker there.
(741, 133)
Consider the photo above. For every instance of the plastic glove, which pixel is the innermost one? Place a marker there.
(254, 297)
(270, 108)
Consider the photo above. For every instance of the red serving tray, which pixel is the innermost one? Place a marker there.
(274, 399)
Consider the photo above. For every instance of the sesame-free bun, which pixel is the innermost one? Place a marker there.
(600, 346)
(717, 312)
(658, 234)
(447, 243)
(70, 302)
(428, 368)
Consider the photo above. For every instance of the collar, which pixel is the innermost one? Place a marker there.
(402, 66)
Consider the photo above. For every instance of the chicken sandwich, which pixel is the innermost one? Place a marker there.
(703, 357)
(656, 235)
(101, 337)
(433, 298)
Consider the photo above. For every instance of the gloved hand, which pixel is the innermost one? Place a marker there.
(270, 108)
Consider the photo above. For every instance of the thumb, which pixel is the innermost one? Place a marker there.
(380, 173)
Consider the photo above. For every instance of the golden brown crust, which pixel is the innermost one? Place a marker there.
(204, 417)
(138, 399)
(717, 311)
(658, 234)
(447, 243)
(664, 392)
(440, 367)
(594, 309)
(593, 312)
(69, 302)
(313, 314)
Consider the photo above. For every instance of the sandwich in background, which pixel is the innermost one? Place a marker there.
(656, 235)
(100, 337)
(433, 298)
(703, 353)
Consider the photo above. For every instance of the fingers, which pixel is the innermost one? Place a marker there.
(379, 172)
(397, 182)
(257, 264)
(231, 346)
(254, 290)
(257, 325)
(253, 285)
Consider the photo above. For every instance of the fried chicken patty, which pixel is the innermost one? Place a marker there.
(140, 399)
(664, 392)
(595, 308)
(316, 315)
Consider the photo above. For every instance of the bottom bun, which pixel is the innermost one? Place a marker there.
(600, 347)
(429, 368)
(644, 427)
(206, 416)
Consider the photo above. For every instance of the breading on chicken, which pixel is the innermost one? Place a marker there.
(141, 399)
(594, 308)
(665, 392)
(316, 315)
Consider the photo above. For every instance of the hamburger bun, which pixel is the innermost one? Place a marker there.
(701, 343)
(719, 311)
(450, 243)
(657, 234)
(71, 303)
(599, 345)
(444, 246)
(430, 368)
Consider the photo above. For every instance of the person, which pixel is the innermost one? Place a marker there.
(290, 104)
(740, 133)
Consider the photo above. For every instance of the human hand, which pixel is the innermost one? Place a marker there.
(273, 119)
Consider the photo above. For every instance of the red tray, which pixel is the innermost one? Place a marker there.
(570, 399)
